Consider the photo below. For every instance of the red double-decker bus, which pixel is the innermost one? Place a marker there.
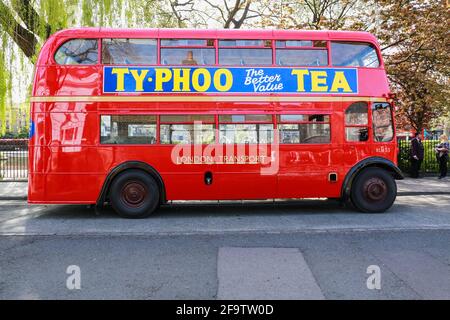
(136, 118)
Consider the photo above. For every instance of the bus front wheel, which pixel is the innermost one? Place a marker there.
(134, 194)
(374, 190)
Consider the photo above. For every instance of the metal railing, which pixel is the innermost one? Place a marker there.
(13, 159)
(429, 164)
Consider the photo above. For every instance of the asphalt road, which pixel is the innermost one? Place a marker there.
(297, 250)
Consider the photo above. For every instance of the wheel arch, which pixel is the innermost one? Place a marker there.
(124, 167)
(371, 162)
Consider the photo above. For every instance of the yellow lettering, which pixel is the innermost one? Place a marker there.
(300, 73)
(162, 75)
(228, 80)
(181, 79)
(139, 79)
(319, 81)
(340, 82)
(206, 80)
(120, 72)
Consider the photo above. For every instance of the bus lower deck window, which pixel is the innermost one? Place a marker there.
(127, 129)
(304, 128)
(245, 129)
(187, 129)
(356, 122)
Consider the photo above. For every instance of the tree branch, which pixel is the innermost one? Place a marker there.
(25, 39)
(30, 17)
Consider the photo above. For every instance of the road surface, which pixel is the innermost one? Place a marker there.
(311, 249)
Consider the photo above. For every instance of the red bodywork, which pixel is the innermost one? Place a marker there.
(69, 165)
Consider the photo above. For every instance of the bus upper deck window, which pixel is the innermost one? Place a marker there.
(190, 52)
(301, 57)
(77, 51)
(301, 53)
(245, 52)
(187, 56)
(354, 54)
(129, 51)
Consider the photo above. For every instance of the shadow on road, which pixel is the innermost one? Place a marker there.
(198, 209)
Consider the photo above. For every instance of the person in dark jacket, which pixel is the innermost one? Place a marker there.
(442, 155)
(417, 153)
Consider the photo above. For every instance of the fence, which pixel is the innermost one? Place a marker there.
(429, 164)
(14, 159)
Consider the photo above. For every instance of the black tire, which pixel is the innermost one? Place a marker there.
(373, 190)
(134, 194)
(349, 204)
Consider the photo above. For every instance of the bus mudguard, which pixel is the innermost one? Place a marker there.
(130, 165)
(369, 162)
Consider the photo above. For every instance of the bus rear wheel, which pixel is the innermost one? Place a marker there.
(374, 190)
(134, 194)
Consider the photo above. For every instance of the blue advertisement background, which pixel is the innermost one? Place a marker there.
(288, 80)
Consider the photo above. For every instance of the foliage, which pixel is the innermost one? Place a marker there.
(4, 76)
(416, 39)
(22, 134)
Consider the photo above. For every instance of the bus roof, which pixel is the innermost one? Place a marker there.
(217, 33)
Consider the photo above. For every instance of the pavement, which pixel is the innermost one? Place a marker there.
(407, 186)
(13, 190)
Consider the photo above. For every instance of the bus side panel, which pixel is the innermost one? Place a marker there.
(36, 187)
(72, 172)
(73, 188)
(68, 80)
(182, 181)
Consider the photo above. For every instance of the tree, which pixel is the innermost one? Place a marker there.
(415, 41)
(26, 24)
(414, 35)
(310, 14)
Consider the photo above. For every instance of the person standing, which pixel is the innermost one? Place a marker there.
(417, 153)
(442, 155)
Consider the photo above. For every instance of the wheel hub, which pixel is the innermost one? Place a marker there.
(375, 189)
(134, 193)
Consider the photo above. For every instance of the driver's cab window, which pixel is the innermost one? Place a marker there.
(383, 127)
(357, 122)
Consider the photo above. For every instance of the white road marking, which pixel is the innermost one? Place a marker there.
(265, 273)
